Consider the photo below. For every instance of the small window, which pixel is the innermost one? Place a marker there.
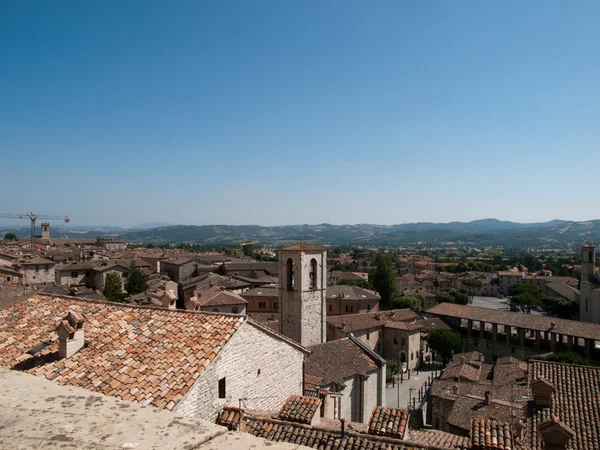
(234, 310)
(46, 268)
(412, 356)
(330, 308)
(222, 388)
(275, 306)
(348, 308)
(262, 305)
(368, 336)
(74, 274)
(368, 307)
(87, 274)
(395, 341)
(37, 268)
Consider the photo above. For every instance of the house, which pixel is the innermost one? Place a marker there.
(36, 270)
(216, 299)
(342, 299)
(160, 292)
(181, 268)
(76, 273)
(262, 299)
(209, 280)
(349, 377)
(8, 275)
(192, 363)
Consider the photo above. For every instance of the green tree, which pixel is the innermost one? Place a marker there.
(384, 280)
(472, 283)
(248, 249)
(135, 281)
(525, 296)
(113, 287)
(10, 237)
(444, 297)
(415, 302)
(567, 358)
(365, 284)
(559, 306)
(445, 342)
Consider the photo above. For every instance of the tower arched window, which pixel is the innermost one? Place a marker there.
(313, 273)
(289, 274)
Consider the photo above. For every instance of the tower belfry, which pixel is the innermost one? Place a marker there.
(302, 293)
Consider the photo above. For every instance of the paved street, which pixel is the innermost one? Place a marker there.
(402, 390)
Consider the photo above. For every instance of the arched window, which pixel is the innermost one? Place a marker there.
(235, 310)
(313, 274)
(402, 357)
(289, 274)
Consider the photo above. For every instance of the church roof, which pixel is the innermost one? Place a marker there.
(303, 247)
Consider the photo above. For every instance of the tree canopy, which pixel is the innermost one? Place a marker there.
(10, 237)
(113, 290)
(445, 342)
(135, 281)
(452, 296)
(415, 302)
(567, 358)
(525, 296)
(384, 280)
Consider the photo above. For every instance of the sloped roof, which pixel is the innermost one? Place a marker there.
(218, 296)
(390, 422)
(303, 247)
(230, 417)
(576, 402)
(299, 409)
(335, 361)
(132, 352)
(351, 293)
(489, 434)
(363, 321)
(515, 319)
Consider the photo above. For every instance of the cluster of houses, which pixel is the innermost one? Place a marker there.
(278, 350)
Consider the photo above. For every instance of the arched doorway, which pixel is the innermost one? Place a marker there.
(402, 357)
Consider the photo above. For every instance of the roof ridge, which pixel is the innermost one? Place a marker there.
(135, 306)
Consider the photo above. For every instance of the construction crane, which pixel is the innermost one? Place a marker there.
(33, 217)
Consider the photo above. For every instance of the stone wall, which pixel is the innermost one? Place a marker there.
(302, 308)
(393, 346)
(64, 277)
(372, 395)
(239, 309)
(372, 338)
(257, 366)
(44, 274)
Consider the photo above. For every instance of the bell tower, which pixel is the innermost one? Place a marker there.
(302, 293)
(587, 307)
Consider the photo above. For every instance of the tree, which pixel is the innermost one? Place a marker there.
(559, 306)
(248, 249)
(445, 342)
(384, 280)
(10, 237)
(525, 296)
(444, 297)
(472, 283)
(415, 302)
(113, 287)
(567, 358)
(135, 281)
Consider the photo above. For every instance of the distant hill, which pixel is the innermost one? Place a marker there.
(553, 234)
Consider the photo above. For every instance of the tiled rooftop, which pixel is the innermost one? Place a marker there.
(576, 402)
(299, 409)
(303, 247)
(230, 417)
(515, 319)
(132, 352)
(389, 422)
(489, 434)
(355, 322)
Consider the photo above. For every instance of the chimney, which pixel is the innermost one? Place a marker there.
(343, 421)
(555, 434)
(488, 397)
(542, 391)
(552, 325)
(70, 334)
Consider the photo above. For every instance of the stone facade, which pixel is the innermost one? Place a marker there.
(589, 303)
(179, 272)
(302, 294)
(372, 338)
(258, 367)
(403, 346)
(100, 277)
(38, 273)
(360, 395)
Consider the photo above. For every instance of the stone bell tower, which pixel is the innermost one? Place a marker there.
(302, 293)
(588, 308)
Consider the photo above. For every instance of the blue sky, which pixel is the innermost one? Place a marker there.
(286, 112)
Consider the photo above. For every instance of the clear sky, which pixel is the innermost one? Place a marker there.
(286, 112)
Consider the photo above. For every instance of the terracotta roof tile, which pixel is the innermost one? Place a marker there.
(299, 409)
(130, 351)
(388, 422)
(303, 247)
(230, 417)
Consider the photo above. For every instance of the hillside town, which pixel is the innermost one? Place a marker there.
(292, 351)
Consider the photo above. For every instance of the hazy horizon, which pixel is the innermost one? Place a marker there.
(299, 112)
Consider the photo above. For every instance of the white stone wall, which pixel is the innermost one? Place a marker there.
(348, 399)
(371, 395)
(64, 277)
(249, 351)
(303, 308)
(40, 276)
(372, 338)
